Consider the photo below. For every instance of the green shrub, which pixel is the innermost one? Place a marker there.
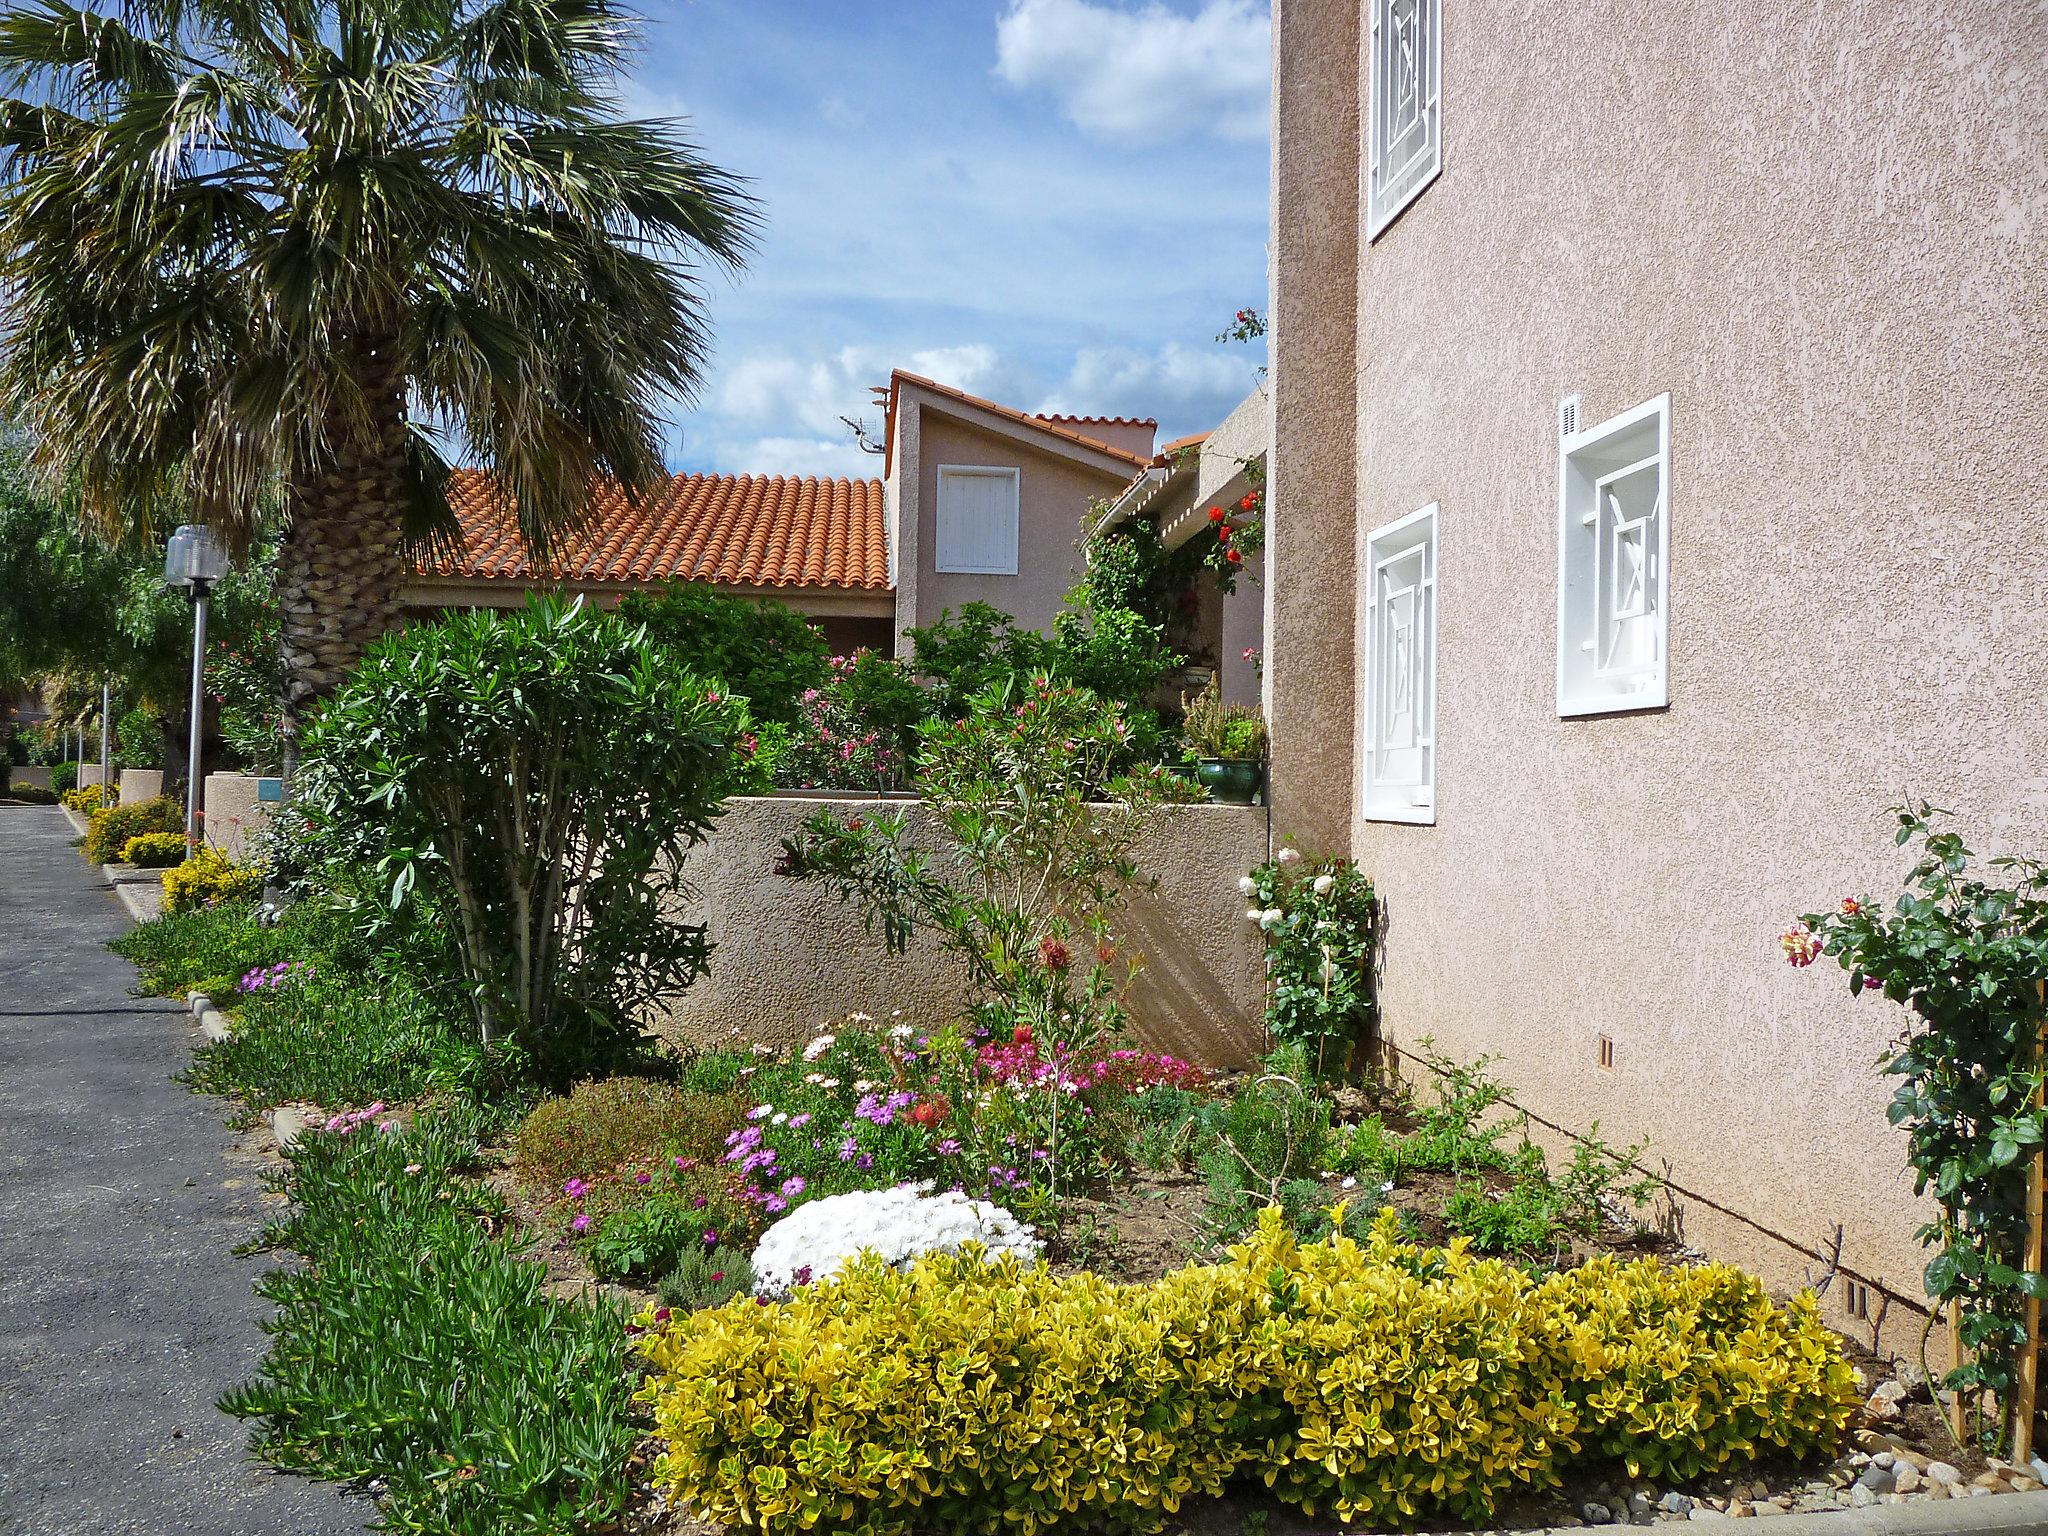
(710, 1279)
(32, 794)
(339, 1040)
(602, 1125)
(63, 776)
(766, 653)
(154, 850)
(1523, 1222)
(417, 1349)
(640, 1230)
(176, 951)
(496, 761)
(139, 738)
(85, 799)
(1372, 1381)
(1266, 1136)
(112, 826)
(207, 879)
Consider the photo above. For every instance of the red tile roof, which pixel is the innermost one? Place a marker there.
(1098, 421)
(742, 530)
(1046, 424)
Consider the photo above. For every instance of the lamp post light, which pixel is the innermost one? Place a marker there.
(195, 561)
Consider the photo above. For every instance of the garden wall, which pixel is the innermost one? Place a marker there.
(93, 773)
(36, 776)
(234, 811)
(140, 784)
(791, 956)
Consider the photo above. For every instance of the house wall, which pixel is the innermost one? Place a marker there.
(235, 812)
(1053, 495)
(1818, 228)
(790, 956)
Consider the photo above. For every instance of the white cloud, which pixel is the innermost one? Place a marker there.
(823, 457)
(1178, 383)
(1143, 75)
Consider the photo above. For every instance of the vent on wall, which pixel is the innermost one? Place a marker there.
(1606, 1053)
(1856, 1299)
(1568, 417)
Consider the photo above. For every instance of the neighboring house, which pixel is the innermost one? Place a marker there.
(1175, 492)
(986, 503)
(1657, 494)
(980, 503)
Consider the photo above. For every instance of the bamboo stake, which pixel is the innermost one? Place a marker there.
(2028, 1386)
(1957, 1421)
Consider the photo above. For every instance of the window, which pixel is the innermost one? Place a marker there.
(1400, 670)
(1613, 585)
(1405, 138)
(977, 520)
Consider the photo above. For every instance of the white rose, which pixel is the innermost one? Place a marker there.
(1288, 856)
(1253, 915)
(1325, 884)
(1245, 885)
(1270, 917)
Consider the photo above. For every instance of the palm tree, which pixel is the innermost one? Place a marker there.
(308, 245)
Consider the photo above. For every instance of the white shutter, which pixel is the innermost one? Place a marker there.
(1400, 670)
(977, 520)
(1405, 134)
(1614, 543)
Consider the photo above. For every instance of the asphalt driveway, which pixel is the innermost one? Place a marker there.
(123, 1313)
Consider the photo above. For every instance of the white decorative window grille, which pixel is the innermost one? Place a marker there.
(1404, 137)
(1400, 670)
(1614, 540)
(977, 520)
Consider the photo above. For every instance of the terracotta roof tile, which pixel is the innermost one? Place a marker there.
(1056, 427)
(1097, 421)
(740, 530)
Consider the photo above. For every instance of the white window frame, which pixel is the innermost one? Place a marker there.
(1412, 798)
(1390, 189)
(1591, 528)
(978, 471)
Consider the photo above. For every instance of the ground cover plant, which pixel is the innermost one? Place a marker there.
(112, 827)
(416, 1345)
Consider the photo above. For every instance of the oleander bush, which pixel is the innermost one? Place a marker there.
(207, 879)
(419, 1347)
(1372, 1381)
(112, 826)
(154, 850)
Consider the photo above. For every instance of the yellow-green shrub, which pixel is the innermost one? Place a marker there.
(154, 850)
(113, 825)
(976, 1397)
(1680, 1371)
(1371, 1381)
(1413, 1379)
(209, 876)
(86, 798)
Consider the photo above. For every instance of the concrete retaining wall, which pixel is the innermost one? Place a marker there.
(791, 956)
(235, 812)
(89, 773)
(36, 776)
(140, 784)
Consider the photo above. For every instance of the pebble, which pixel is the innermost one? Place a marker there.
(1905, 1477)
(1701, 1512)
(1876, 1479)
(1675, 1503)
(1738, 1509)
(1942, 1472)
(2040, 1468)
(1596, 1514)
(1861, 1497)
(1884, 1458)
(2023, 1484)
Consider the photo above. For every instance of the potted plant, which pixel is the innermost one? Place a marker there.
(1225, 744)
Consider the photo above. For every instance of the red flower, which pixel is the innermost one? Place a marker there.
(928, 1113)
(1233, 557)
(1021, 1034)
(1250, 501)
(1052, 954)
(1215, 514)
(1223, 534)
(1851, 906)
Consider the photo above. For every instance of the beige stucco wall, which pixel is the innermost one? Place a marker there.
(139, 783)
(790, 956)
(1311, 481)
(34, 774)
(234, 814)
(93, 773)
(1820, 230)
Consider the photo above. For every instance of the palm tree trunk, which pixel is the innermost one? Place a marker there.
(342, 559)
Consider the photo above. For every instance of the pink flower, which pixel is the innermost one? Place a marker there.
(581, 1223)
(575, 1189)
(1800, 946)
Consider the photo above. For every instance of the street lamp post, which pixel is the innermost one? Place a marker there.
(195, 561)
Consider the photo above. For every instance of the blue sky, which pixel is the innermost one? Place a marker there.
(1052, 203)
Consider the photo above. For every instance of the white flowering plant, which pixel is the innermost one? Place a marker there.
(1320, 919)
(814, 1242)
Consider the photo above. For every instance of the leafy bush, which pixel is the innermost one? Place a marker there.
(1264, 1139)
(1374, 1381)
(857, 729)
(139, 738)
(63, 777)
(708, 1279)
(545, 771)
(338, 1039)
(85, 799)
(33, 794)
(417, 1348)
(207, 879)
(112, 826)
(601, 1125)
(154, 850)
(642, 1223)
(1214, 729)
(984, 647)
(176, 951)
(766, 653)
(1320, 919)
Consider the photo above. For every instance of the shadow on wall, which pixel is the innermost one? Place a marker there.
(789, 957)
